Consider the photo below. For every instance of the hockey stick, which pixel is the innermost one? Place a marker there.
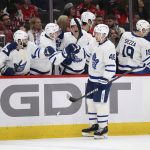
(72, 99)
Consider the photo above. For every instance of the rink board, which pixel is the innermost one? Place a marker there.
(37, 107)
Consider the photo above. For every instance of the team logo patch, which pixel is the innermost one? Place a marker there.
(94, 61)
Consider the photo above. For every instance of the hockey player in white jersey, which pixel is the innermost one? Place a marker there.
(48, 38)
(87, 19)
(134, 51)
(102, 68)
(15, 57)
(47, 55)
(82, 39)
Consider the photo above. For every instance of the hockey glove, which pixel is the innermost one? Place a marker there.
(7, 71)
(49, 51)
(72, 48)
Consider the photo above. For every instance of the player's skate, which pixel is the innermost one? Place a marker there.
(101, 133)
(89, 131)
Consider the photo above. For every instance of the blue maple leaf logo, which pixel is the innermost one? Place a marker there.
(19, 67)
(94, 61)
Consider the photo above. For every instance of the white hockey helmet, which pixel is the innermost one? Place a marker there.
(102, 28)
(73, 23)
(21, 38)
(86, 16)
(20, 35)
(51, 28)
(142, 24)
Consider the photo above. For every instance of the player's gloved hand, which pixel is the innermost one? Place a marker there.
(72, 48)
(49, 51)
(7, 71)
(67, 61)
(9, 48)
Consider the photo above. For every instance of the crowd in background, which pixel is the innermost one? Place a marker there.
(23, 15)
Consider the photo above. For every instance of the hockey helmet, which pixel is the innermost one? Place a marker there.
(51, 28)
(73, 23)
(142, 24)
(21, 38)
(86, 16)
(102, 28)
(20, 35)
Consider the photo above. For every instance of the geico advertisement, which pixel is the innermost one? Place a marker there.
(42, 101)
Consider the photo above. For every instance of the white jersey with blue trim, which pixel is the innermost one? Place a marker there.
(17, 59)
(77, 67)
(42, 65)
(133, 51)
(102, 65)
(46, 56)
(83, 41)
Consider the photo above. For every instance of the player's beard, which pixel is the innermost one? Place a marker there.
(75, 33)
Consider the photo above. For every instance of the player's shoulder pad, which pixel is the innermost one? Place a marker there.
(9, 48)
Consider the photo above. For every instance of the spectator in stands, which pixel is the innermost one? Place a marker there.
(28, 10)
(5, 28)
(141, 10)
(87, 5)
(63, 22)
(136, 18)
(112, 23)
(69, 10)
(35, 30)
(114, 36)
(99, 20)
(15, 15)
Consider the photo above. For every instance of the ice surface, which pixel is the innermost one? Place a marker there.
(83, 143)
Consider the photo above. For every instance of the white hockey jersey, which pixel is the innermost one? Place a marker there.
(102, 65)
(133, 51)
(42, 65)
(17, 59)
(77, 67)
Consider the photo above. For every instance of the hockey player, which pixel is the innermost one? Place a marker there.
(15, 56)
(134, 51)
(87, 19)
(81, 38)
(102, 68)
(47, 38)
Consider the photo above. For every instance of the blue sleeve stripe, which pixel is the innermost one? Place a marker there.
(146, 59)
(92, 113)
(52, 55)
(110, 70)
(54, 61)
(102, 116)
(38, 50)
(92, 118)
(110, 65)
(131, 67)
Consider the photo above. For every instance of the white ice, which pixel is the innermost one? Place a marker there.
(87, 143)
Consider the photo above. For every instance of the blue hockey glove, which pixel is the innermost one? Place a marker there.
(49, 51)
(8, 71)
(72, 48)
